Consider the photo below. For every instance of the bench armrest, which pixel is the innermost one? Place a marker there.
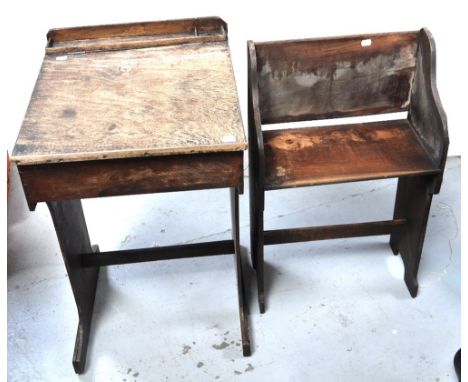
(426, 113)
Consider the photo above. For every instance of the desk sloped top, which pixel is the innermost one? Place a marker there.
(122, 102)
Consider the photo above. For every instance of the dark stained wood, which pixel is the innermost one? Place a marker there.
(133, 42)
(294, 235)
(413, 202)
(72, 234)
(335, 77)
(143, 108)
(256, 147)
(130, 256)
(256, 174)
(414, 194)
(336, 154)
(457, 364)
(243, 308)
(71, 180)
(426, 113)
(135, 35)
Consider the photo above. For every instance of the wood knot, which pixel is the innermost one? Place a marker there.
(68, 113)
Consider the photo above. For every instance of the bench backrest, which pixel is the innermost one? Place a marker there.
(335, 77)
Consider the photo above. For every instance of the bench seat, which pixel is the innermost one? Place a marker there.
(334, 154)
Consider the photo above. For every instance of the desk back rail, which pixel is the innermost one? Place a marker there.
(135, 35)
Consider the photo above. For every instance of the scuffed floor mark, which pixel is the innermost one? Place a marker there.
(457, 231)
(186, 349)
(127, 239)
(221, 346)
(32, 284)
(344, 321)
(439, 275)
(371, 296)
(204, 237)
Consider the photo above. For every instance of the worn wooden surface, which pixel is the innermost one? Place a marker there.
(333, 154)
(335, 77)
(294, 235)
(426, 113)
(184, 251)
(256, 173)
(122, 122)
(201, 25)
(134, 35)
(132, 103)
(413, 202)
(90, 179)
(243, 305)
(72, 234)
(130, 42)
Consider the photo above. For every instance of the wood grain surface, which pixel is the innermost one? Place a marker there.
(131, 103)
(299, 80)
(135, 35)
(332, 154)
(130, 42)
(130, 176)
(198, 26)
(335, 77)
(426, 112)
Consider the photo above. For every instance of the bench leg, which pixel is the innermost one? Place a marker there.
(413, 202)
(72, 234)
(243, 311)
(260, 270)
(256, 245)
(253, 228)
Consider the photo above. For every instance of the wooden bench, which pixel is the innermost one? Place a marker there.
(303, 80)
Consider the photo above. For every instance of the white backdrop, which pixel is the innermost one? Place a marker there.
(25, 24)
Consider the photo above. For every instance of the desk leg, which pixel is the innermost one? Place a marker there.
(413, 202)
(72, 234)
(243, 311)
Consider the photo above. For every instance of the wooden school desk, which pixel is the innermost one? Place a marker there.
(124, 110)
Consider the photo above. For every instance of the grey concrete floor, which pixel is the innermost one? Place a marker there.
(337, 310)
